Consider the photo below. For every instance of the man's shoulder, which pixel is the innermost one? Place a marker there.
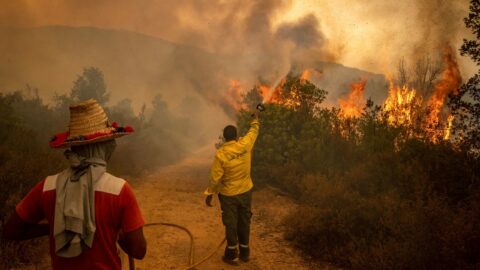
(110, 184)
(107, 183)
(231, 151)
(50, 183)
(223, 153)
(220, 152)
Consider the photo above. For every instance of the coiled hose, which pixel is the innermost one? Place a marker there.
(191, 259)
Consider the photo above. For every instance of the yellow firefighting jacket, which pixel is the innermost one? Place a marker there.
(230, 174)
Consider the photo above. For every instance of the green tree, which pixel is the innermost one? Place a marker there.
(90, 84)
(287, 126)
(466, 104)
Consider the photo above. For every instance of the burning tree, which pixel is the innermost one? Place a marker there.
(352, 106)
(402, 105)
(299, 94)
(416, 103)
(377, 188)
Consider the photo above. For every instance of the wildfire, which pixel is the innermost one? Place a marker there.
(276, 94)
(264, 91)
(450, 118)
(234, 96)
(352, 106)
(309, 73)
(450, 80)
(401, 104)
(270, 94)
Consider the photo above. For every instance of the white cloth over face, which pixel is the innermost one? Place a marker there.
(74, 224)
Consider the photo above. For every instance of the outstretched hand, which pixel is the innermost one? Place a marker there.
(208, 200)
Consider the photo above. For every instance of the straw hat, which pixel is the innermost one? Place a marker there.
(88, 124)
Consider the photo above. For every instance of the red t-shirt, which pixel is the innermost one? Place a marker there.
(116, 209)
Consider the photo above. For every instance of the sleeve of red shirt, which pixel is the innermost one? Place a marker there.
(30, 207)
(132, 216)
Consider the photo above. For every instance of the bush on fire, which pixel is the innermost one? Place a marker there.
(370, 197)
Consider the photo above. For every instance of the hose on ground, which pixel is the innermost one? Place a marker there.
(191, 256)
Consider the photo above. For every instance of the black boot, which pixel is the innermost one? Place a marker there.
(231, 256)
(244, 253)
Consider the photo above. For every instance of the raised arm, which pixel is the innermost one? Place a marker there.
(249, 139)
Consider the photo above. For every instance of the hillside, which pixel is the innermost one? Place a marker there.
(50, 58)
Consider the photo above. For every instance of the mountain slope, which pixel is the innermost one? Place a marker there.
(135, 65)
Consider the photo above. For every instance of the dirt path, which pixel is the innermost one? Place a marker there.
(174, 195)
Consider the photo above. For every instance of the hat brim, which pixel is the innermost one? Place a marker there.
(61, 140)
(96, 140)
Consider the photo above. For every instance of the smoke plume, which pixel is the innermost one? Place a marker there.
(203, 45)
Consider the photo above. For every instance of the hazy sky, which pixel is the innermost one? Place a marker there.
(367, 34)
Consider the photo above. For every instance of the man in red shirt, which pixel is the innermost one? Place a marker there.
(87, 209)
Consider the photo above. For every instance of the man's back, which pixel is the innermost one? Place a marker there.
(232, 163)
(115, 209)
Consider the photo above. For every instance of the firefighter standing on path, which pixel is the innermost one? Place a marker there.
(230, 178)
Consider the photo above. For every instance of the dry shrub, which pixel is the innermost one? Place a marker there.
(17, 176)
(385, 232)
(24, 161)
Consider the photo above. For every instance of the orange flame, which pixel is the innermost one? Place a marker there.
(276, 96)
(270, 94)
(401, 104)
(352, 106)
(446, 137)
(234, 96)
(450, 81)
(266, 92)
(309, 73)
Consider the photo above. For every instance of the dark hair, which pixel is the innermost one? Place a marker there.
(230, 133)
